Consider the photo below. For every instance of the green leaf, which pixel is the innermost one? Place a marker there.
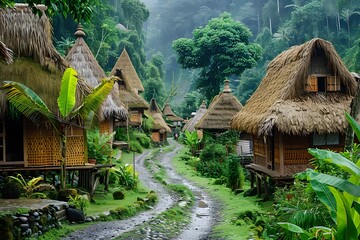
(95, 99)
(291, 227)
(67, 96)
(27, 102)
(356, 206)
(325, 196)
(337, 159)
(341, 184)
(354, 125)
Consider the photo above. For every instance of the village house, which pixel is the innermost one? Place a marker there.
(299, 104)
(83, 61)
(160, 128)
(129, 88)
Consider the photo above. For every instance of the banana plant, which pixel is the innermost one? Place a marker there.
(340, 195)
(192, 140)
(33, 107)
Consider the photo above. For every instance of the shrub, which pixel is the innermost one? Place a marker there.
(11, 190)
(118, 195)
(99, 146)
(151, 198)
(211, 169)
(121, 134)
(142, 138)
(235, 175)
(213, 152)
(135, 146)
(81, 202)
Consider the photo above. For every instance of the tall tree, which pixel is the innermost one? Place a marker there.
(220, 49)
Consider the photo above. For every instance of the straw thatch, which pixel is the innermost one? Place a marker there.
(170, 114)
(36, 64)
(81, 58)
(29, 35)
(280, 100)
(190, 125)
(128, 95)
(6, 55)
(159, 123)
(220, 112)
(124, 63)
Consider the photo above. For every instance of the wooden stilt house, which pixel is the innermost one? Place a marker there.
(39, 66)
(299, 104)
(81, 58)
(218, 116)
(160, 128)
(129, 88)
(174, 120)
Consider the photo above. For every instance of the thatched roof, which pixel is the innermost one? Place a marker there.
(190, 125)
(159, 123)
(6, 55)
(36, 64)
(280, 100)
(170, 114)
(128, 95)
(220, 112)
(81, 58)
(124, 63)
(29, 35)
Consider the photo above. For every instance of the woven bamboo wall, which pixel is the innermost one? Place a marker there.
(106, 126)
(259, 151)
(42, 146)
(155, 136)
(135, 117)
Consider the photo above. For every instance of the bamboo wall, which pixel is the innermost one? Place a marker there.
(42, 146)
(135, 118)
(106, 126)
(155, 137)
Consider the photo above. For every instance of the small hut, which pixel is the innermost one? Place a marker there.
(39, 66)
(299, 104)
(129, 88)
(171, 117)
(190, 125)
(220, 112)
(81, 58)
(160, 128)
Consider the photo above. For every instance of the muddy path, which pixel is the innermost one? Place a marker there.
(204, 214)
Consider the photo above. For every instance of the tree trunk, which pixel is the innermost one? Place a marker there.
(354, 111)
(63, 159)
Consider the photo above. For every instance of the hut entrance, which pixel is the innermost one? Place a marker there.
(13, 151)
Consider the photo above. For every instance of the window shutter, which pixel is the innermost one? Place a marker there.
(312, 84)
(333, 83)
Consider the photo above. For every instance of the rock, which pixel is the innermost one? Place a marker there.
(88, 219)
(238, 191)
(23, 219)
(24, 226)
(74, 215)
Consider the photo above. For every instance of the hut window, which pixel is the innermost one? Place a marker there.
(322, 83)
(325, 139)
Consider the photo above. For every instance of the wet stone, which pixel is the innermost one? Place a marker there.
(24, 226)
(23, 219)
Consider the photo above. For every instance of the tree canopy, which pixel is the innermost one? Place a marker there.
(220, 49)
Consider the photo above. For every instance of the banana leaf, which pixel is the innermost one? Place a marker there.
(67, 96)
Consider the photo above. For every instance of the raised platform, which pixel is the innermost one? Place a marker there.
(32, 204)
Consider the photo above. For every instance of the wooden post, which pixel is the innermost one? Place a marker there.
(107, 174)
(258, 185)
(252, 179)
(266, 189)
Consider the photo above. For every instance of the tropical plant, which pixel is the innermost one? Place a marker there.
(192, 140)
(33, 107)
(341, 195)
(33, 188)
(235, 173)
(127, 176)
(81, 202)
(99, 146)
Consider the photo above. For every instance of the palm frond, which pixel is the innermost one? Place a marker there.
(93, 101)
(27, 102)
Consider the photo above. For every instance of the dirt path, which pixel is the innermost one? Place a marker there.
(204, 213)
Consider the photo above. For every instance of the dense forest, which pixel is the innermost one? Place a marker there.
(149, 28)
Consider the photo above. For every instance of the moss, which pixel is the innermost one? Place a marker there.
(11, 190)
(118, 195)
(151, 198)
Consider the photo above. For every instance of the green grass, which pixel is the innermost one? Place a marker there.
(232, 204)
(104, 200)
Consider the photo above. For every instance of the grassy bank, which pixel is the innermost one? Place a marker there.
(232, 205)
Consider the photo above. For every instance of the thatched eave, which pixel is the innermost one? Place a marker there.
(6, 55)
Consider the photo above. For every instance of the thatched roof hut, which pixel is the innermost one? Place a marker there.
(36, 64)
(170, 114)
(6, 55)
(220, 112)
(124, 63)
(159, 123)
(127, 94)
(286, 101)
(81, 58)
(190, 125)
